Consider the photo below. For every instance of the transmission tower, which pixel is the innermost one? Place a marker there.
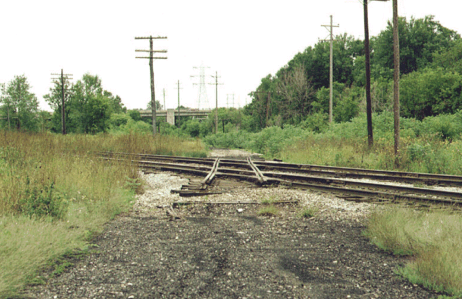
(228, 96)
(202, 100)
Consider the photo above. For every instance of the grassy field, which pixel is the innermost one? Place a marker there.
(56, 194)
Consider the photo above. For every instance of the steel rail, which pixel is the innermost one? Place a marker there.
(343, 172)
(209, 178)
(343, 186)
(367, 173)
(330, 185)
(261, 178)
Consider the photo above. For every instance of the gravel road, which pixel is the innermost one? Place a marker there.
(229, 251)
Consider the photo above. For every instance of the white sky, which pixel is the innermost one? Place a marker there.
(244, 40)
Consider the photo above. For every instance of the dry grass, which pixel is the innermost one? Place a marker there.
(433, 237)
(55, 193)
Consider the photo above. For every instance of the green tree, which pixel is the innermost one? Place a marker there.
(449, 58)
(158, 105)
(21, 105)
(430, 92)
(297, 94)
(54, 100)
(418, 40)
(88, 106)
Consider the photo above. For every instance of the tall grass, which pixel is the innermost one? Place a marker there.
(56, 192)
(433, 237)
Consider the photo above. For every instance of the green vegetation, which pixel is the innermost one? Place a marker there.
(268, 210)
(269, 201)
(56, 193)
(434, 238)
(309, 212)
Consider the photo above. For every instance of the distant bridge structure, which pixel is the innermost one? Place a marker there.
(171, 114)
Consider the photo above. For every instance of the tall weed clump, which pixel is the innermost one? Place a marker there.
(434, 238)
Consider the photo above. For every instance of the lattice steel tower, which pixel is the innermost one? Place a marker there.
(202, 100)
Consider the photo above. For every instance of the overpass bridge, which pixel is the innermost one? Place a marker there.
(170, 114)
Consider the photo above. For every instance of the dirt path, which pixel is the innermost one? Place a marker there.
(217, 252)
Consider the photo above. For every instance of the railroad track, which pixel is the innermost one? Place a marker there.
(344, 182)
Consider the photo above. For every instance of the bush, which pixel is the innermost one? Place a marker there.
(42, 201)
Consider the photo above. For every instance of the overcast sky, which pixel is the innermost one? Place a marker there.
(242, 40)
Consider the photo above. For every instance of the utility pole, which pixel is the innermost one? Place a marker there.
(179, 102)
(370, 137)
(165, 108)
(216, 99)
(396, 73)
(331, 69)
(151, 68)
(62, 78)
(202, 100)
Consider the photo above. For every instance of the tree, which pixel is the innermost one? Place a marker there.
(418, 40)
(449, 58)
(54, 99)
(297, 92)
(88, 106)
(115, 102)
(430, 92)
(158, 105)
(21, 104)
(6, 108)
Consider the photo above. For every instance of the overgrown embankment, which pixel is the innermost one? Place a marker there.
(56, 193)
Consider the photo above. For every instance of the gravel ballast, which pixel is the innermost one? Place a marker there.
(212, 250)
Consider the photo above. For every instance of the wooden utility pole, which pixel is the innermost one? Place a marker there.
(331, 66)
(179, 102)
(151, 69)
(370, 137)
(165, 108)
(62, 78)
(396, 74)
(216, 99)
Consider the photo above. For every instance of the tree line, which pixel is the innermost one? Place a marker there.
(297, 95)
(431, 80)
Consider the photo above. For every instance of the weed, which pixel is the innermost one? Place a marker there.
(308, 212)
(268, 211)
(269, 201)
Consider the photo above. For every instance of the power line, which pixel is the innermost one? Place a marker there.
(62, 78)
(331, 69)
(151, 68)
